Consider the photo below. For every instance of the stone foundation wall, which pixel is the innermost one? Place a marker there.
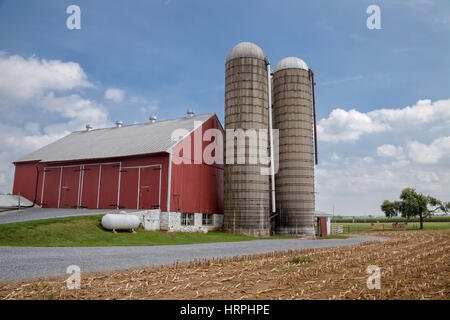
(152, 220)
(175, 219)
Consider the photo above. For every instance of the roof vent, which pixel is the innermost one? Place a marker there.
(119, 123)
(89, 127)
(152, 119)
(190, 113)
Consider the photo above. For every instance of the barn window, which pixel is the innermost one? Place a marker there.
(187, 219)
(207, 219)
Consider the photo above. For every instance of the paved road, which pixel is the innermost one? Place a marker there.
(26, 262)
(47, 213)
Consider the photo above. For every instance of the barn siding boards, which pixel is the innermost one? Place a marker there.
(196, 186)
(25, 180)
(218, 182)
(39, 189)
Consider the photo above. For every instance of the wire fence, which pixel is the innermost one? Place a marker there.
(358, 227)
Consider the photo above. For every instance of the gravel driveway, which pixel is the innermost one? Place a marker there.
(46, 213)
(27, 262)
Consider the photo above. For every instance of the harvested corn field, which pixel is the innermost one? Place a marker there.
(413, 265)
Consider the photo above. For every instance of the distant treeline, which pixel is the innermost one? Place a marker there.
(395, 219)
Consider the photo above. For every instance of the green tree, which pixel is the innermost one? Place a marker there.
(413, 204)
(390, 209)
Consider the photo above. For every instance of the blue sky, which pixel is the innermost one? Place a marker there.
(164, 56)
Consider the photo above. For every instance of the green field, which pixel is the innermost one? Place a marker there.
(86, 231)
(355, 227)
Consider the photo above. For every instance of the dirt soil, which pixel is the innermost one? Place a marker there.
(413, 265)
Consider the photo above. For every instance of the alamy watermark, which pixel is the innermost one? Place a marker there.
(374, 280)
(374, 20)
(74, 20)
(249, 146)
(74, 281)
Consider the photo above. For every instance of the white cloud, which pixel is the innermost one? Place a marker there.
(389, 150)
(423, 112)
(22, 79)
(16, 142)
(427, 177)
(349, 126)
(339, 81)
(357, 183)
(75, 108)
(115, 95)
(358, 187)
(361, 183)
(144, 105)
(401, 163)
(429, 154)
(335, 156)
(44, 88)
(150, 107)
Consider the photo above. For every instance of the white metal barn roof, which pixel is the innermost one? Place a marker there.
(12, 201)
(123, 141)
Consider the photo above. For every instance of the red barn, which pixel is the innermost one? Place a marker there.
(131, 167)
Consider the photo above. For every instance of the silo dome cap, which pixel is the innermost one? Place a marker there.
(246, 50)
(291, 63)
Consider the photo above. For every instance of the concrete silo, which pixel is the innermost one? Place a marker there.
(292, 116)
(247, 191)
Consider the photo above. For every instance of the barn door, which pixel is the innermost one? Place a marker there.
(129, 181)
(89, 190)
(50, 187)
(70, 187)
(109, 184)
(149, 188)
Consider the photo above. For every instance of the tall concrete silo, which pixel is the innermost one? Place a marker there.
(292, 116)
(246, 198)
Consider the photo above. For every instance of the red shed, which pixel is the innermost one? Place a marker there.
(323, 224)
(128, 167)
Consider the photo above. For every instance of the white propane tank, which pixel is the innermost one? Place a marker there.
(119, 221)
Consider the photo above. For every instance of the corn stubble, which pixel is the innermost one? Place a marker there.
(414, 265)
